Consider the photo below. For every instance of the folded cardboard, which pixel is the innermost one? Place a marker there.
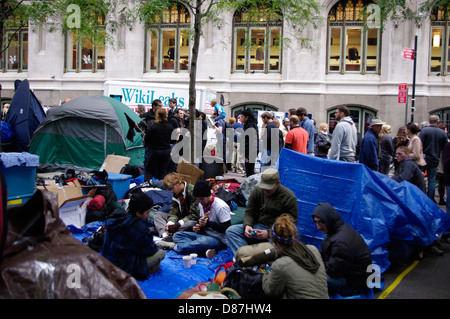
(114, 163)
(73, 211)
(71, 190)
(190, 172)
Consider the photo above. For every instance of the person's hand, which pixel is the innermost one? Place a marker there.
(196, 228)
(172, 229)
(202, 221)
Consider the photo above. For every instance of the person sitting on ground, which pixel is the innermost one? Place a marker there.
(408, 169)
(209, 233)
(344, 252)
(184, 212)
(298, 272)
(128, 242)
(267, 201)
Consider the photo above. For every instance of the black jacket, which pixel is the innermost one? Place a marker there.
(344, 251)
(251, 125)
(408, 170)
(433, 140)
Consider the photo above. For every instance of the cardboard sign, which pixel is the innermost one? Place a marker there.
(190, 172)
(114, 163)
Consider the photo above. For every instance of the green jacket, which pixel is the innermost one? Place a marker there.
(186, 207)
(262, 209)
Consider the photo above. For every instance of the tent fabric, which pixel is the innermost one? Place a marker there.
(83, 131)
(24, 116)
(379, 208)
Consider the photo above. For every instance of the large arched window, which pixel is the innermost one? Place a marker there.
(168, 41)
(351, 47)
(440, 41)
(256, 40)
(362, 117)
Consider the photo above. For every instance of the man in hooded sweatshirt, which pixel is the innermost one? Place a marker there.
(345, 138)
(344, 252)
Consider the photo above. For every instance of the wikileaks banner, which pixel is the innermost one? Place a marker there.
(222, 143)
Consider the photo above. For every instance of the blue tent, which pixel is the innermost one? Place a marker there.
(379, 208)
(24, 116)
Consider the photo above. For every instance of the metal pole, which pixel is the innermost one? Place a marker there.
(406, 105)
(414, 81)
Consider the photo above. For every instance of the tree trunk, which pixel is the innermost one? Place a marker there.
(193, 76)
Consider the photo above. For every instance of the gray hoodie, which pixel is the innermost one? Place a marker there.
(344, 140)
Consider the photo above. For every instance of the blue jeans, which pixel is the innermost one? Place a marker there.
(236, 237)
(190, 242)
(431, 173)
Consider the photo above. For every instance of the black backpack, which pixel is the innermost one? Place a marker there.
(247, 281)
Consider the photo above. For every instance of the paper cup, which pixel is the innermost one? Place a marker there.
(193, 259)
(187, 261)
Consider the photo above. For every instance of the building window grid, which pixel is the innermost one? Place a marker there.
(83, 55)
(167, 53)
(15, 57)
(256, 49)
(348, 16)
(440, 41)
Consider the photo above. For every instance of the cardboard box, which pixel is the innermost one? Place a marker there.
(114, 163)
(73, 211)
(190, 172)
(72, 190)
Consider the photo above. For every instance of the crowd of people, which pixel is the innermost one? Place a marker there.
(200, 222)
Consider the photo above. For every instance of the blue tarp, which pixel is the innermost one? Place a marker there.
(379, 208)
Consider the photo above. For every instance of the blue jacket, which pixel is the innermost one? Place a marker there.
(308, 125)
(369, 150)
(128, 243)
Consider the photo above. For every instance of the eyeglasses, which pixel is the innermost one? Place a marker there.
(399, 154)
(319, 222)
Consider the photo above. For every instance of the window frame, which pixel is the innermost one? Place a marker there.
(158, 29)
(79, 58)
(440, 18)
(337, 20)
(268, 25)
(20, 50)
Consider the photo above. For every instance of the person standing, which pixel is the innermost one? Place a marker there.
(298, 272)
(433, 141)
(370, 146)
(322, 143)
(158, 138)
(270, 129)
(221, 127)
(236, 165)
(297, 137)
(387, 149)
(344, 138)
(249, 144)
(172, 107)
(415, 145)
(308, 125)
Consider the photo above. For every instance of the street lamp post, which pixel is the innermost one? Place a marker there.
(414, 81)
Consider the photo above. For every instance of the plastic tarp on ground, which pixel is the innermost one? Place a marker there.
(172, 279)
(379, 208)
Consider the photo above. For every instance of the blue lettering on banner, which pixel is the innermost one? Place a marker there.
(137, 96)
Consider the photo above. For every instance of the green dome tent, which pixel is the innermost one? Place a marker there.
(83, 131)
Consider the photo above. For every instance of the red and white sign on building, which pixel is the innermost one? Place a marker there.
(402, 92)
(408, 54)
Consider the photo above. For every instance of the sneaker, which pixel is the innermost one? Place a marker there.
(165, 244)
(168, 238)
(210, 253)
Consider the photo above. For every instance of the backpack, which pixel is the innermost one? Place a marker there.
(247, 281)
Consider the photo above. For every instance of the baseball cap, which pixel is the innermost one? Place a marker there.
(269, 178)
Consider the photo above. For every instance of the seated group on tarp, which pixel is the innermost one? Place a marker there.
(199, 222)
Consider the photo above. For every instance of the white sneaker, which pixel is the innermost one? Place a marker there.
(165, 244)
(210, 253)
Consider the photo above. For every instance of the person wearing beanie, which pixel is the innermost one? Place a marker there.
(344, 252)
(298, 272)
(209, 232)
(128, 241)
